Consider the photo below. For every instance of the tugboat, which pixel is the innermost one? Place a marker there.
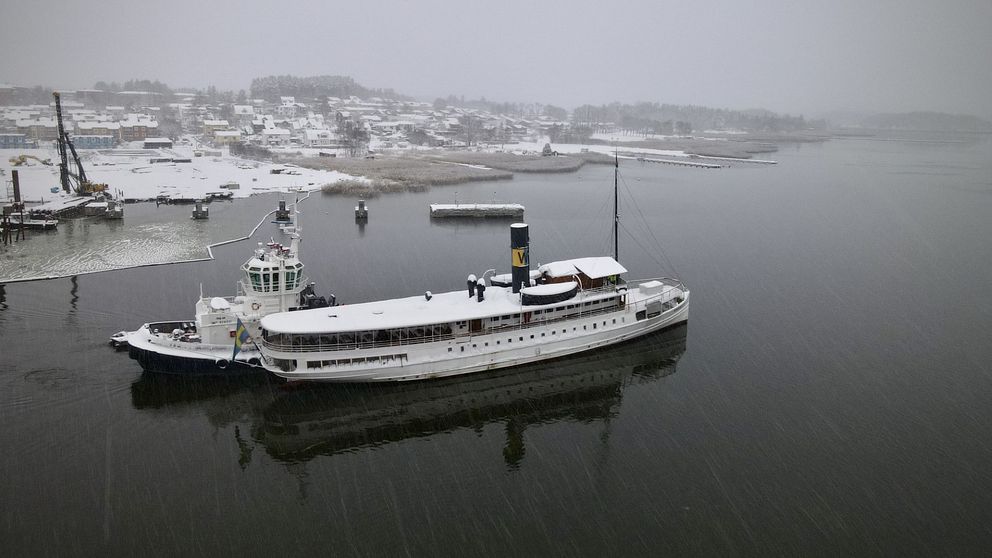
(272, 281)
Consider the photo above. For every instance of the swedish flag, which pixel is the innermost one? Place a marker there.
(240, 338)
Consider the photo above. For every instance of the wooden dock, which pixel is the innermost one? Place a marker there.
(737, 160)
(680, 163)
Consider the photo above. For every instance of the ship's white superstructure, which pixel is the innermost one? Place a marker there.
(573, 306)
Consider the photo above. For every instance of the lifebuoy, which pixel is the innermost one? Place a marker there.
(222, 364)
(255, 306)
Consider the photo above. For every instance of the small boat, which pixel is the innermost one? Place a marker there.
(115, 210)
(215, 196)
(119, 340)
(200, 211)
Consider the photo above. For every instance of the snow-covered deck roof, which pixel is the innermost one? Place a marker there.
(412, 311)
(594, 268)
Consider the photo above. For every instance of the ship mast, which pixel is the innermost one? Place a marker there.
(616, 207)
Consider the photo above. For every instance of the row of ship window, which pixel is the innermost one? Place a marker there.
(352, 337)
(265, 281)
(380, 359)
(533, 336)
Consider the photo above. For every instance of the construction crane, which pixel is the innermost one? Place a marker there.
(82, 186)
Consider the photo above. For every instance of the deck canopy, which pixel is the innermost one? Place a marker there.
(593, 268)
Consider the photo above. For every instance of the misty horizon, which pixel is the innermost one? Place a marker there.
(807, 60)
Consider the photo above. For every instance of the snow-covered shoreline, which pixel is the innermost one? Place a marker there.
(132, 173)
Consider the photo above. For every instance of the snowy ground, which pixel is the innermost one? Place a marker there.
(131, 172)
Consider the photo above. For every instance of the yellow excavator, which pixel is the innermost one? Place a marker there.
(82, 186)
(21, 160)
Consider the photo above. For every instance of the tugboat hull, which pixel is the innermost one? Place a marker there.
(154, 361)
(157, 353)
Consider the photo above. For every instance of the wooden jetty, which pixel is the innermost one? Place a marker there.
(439, 210)
(21, 221)
(680, 163)
(737, 160)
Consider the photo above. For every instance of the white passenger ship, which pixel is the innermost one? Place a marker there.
(561, 308)
(273, 281)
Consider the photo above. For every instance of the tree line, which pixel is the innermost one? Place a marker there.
(271, 88)
(683, 119)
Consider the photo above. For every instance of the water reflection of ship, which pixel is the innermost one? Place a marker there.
(325, 420)
(155, 391)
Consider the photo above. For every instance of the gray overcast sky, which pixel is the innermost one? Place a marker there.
(785, 56)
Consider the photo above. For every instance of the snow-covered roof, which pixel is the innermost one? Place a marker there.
(215, 123)
(136, 123)
(227, 133)
(412, 311)
(97, 125)
(594, 268)
(46, 122)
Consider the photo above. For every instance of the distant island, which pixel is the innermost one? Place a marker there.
(927, 122)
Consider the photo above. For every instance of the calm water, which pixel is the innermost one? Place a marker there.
(831, 394)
